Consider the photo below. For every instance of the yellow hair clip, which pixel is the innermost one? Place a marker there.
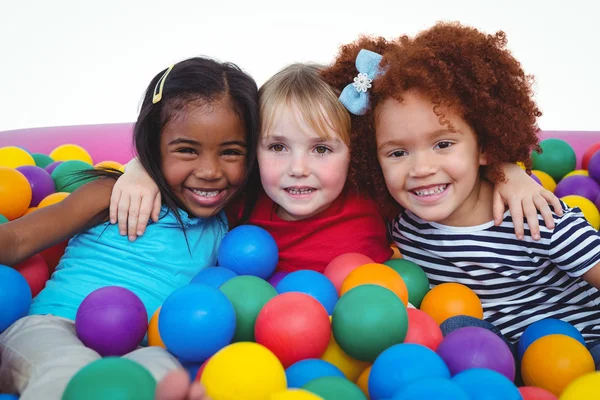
(158, 90)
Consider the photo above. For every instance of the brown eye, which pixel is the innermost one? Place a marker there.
(277, 147)
(322, 149)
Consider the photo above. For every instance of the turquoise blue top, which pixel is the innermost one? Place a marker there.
(152, 267)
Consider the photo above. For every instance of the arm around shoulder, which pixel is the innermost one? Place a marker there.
(28, 235)
(593, 276)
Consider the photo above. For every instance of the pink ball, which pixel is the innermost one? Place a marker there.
(339, 268)
(536, 393)
(423, 330)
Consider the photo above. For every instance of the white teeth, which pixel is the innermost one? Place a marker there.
(202, 193)
(431, 191)
(299, 191)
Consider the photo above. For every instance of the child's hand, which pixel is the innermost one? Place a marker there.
(176, 386)
(135, 198)
(524, 196)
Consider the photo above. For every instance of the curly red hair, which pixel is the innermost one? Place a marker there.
(455, 66)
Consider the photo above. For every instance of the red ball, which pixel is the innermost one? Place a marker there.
(201, 369)
(294, 326)
(339, 268)
(422, 329)
(53, 254)
(35, 271)
(536, 393)
(587, 156)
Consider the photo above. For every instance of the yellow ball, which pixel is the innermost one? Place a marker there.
(348, 365)
(295, 394)
(14, 157)
(109, 164)
(68, 152)
(590, 212)
(586, 387)
(53, 199)
(547, 181)
(520, 164)
(243, 370)
(552, 362)
(583, 172)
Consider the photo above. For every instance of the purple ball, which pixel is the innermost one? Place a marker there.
(579, 185)
(50, 167)
(535, 178)
(594, 167)
(597, 201)
(112, 321)
(276, 277)
(474, 347)
(41, 183)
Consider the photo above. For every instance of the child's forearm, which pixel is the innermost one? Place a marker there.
(8, 245)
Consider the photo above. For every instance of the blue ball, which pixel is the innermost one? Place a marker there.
(15, 296)
(214, 276)
(401, 364)
(304, 371)
(9, 397)
(433, 388)
(545, 327)
(249, 250)
(485, 384)
(312, 283)
(196, 321)
(190, 368)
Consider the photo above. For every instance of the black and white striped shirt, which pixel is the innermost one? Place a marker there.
(518, 281)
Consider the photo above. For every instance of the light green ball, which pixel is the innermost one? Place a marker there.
(67, 176)
(3, 219)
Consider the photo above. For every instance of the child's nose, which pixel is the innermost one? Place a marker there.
(299, 166)
(422, 165)
(208, 169)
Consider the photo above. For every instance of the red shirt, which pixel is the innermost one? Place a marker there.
(351, 224)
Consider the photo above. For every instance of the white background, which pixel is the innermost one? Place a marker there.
(70, 62)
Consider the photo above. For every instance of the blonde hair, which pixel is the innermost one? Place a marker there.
(302, 86)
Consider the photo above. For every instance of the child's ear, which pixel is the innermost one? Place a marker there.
(483, 160)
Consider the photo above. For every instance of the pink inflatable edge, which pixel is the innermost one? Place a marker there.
(113, 142)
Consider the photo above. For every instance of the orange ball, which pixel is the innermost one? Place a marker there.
(363, 381)
(396, 251)
(15, 193)
(154, 338)
(30, 210)
(53, 199)
(552, 362)
(451, 299)
(376, 274)
(339, 268)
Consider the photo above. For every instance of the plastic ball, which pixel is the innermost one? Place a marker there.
(248, 295)
(363, 380)
(578, 185)
(434, 388)
(36, 273)
(15, 193)
(4, 396)
(339, 268)
(294, 326)
(423, 330)
(535, 178)
(474, 347)
(52, 166)
(485, 384)
(154, 338)
(112, 321)
(585, 387)
(201, 369)
(312, 283)
(594, 167)
(294, 394)
(3, 219)
(53, 199)
(367, 320)
(214, 276)
(545, 327)
(402, 364)
(587, 155)
(376, 274)
(15, 296)
(249, 250)
(333, 388)
(578, 172)
(53, 254)
(14, 157)
(536, 393)
(351, 367)
(414, 278)
(304, 371)
(111, 378)
(557, 158)
(462, 321)
(40, 181)
(108, 164)
(451, 299)
(277, 277)
(30, 210)
(554, 361)
(42, 160)
(196, 321)
(68, 175)
(71, 152)
(546, 180)
(243, 370)
(590, 212)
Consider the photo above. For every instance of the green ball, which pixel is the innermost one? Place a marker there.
(557, 158)
(3, 219)
(248, 294)
(67, 178)
(42, 160)
(367, 320)
(112, 378)
(414, 277)
(334, 388)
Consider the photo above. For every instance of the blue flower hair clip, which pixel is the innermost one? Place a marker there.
(354, 96)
